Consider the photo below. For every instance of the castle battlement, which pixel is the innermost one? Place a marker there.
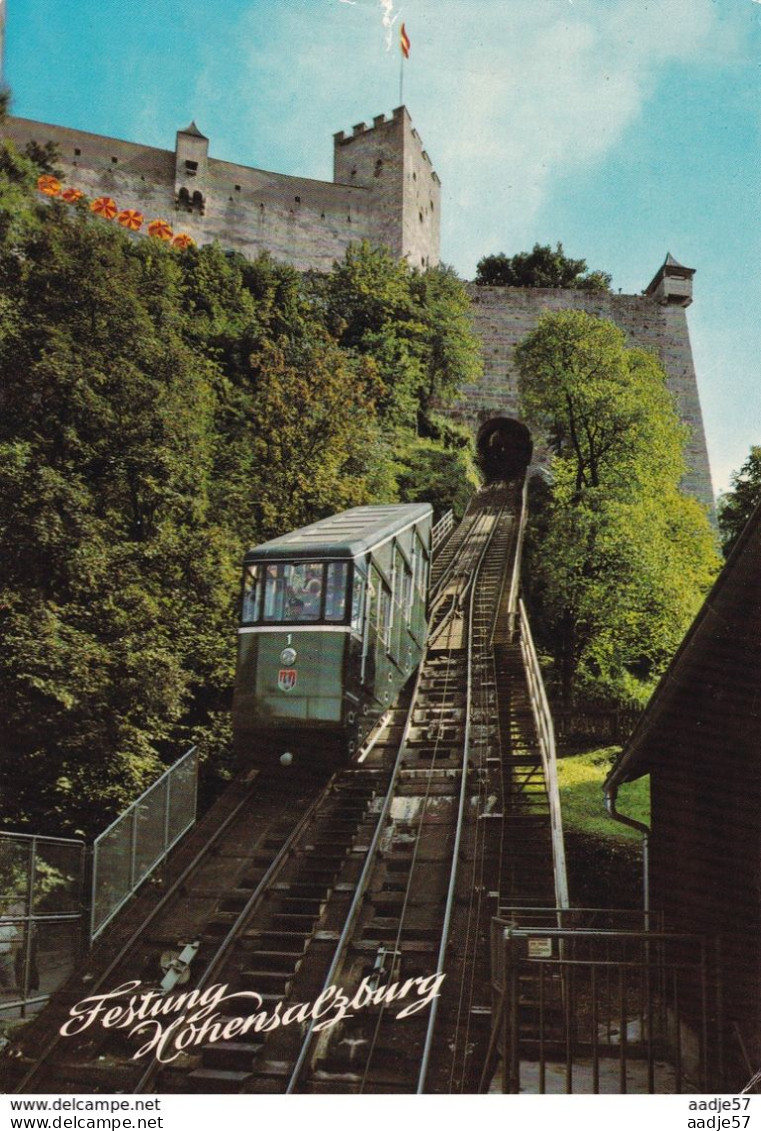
(384, 190)
(303, 221)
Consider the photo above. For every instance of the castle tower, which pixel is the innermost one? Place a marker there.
(191, 165)
(388, 159)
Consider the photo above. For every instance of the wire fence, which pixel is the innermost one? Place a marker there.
(41, 916)
(126, 853)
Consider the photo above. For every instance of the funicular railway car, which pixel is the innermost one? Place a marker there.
(333, 624)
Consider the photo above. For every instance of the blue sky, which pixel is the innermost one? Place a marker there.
(623, 128)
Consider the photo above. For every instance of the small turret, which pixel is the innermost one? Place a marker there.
(672, 284)
(191, 164)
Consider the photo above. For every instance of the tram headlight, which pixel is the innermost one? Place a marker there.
(286, 759)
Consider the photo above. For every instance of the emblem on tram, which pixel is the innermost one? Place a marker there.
(286, 679)
(288, 656)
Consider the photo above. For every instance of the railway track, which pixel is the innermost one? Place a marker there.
(345, 924)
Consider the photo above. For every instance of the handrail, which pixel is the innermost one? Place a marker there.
(512, 603)
(546, 734)
(441, 531)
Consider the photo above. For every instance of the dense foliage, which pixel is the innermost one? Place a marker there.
(159, 411)
(737, 505)
(541, 267)
(619, 558)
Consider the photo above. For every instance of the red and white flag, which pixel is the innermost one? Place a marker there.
(404, 42)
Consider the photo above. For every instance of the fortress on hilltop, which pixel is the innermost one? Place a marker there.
(384, 190)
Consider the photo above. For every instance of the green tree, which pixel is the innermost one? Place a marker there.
(452, 349)
(160, 411)
(736, 506)
(315, 441)
(415, 326)
(540, 267)
(111, 558)
(620, 559)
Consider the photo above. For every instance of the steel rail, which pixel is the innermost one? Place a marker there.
(252, 903)
(365, 877)
(483, 655)
(361, 888)
(425, 1058)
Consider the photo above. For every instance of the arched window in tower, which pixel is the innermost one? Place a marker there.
(198, 203)
(183, 200)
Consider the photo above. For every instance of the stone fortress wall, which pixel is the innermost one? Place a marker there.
(384, 190)
(504, 315)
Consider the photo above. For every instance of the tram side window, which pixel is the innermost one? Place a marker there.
(251, 594)
(421, 570)
(335, 591)
(406, 598)
(357, 601)
(384, 615)
(293, 592)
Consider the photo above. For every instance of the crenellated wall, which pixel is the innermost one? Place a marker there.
(384, 190)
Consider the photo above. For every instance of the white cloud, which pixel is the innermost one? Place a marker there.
(543, 89)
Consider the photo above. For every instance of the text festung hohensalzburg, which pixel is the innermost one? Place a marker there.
(177, 1022)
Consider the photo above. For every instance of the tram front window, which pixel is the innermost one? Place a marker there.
(293, 591)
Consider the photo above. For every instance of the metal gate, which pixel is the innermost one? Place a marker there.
(593, 1009)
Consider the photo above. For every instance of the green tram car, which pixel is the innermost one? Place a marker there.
(333, 624)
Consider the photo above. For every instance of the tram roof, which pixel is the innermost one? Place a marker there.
(344, 535)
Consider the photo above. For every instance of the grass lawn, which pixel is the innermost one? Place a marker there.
(604, 857)
(581, 777)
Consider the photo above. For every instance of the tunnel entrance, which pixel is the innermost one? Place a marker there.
(503, 449)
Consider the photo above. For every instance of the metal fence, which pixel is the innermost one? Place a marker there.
(594, 1008)
(137, 841)
(41, 916)
(441, 531)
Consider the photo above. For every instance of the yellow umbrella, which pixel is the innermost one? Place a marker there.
(182, 241)
(48, 184)
(104, 206)
(71, 195)
(160, 229)
(130, 219)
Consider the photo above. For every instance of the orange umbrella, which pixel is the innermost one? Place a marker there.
(182, 241)
(71, 195)
(130, 219)
(160, 229)
(51, 186)
(104, 206)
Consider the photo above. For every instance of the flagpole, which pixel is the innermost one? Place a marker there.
(404, 52)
